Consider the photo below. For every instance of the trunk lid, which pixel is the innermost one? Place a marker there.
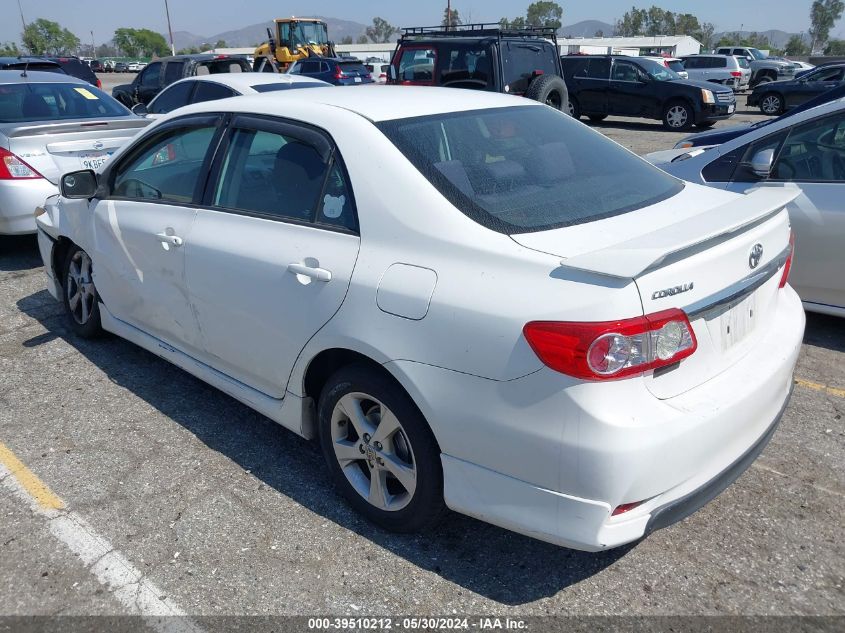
(695, 252)
(53, 149)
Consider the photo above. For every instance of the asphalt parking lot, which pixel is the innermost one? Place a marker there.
(211, 509)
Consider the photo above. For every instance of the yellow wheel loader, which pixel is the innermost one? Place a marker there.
(294, 39)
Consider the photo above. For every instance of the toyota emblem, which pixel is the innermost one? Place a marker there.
(755, 256)
(98, 145)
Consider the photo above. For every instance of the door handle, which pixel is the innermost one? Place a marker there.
(173, 240)
(318, 274)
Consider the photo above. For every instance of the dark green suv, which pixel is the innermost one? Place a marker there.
(521, 62)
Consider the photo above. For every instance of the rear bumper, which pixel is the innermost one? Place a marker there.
(18, 200)
(552, 460)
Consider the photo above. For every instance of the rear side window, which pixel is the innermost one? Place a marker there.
(416, 65)
(271, 174)
(210, 91)
(173, 72)
(173, 97)
(743, 63)
(720, 62)
(527, 168)
(585, 67)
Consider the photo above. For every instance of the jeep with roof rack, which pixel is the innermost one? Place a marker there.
(522, 62)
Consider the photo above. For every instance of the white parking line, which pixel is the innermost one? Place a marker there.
(111, 568)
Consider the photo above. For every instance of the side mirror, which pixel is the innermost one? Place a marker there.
(140, 109)
(79, 184)
(761, 163)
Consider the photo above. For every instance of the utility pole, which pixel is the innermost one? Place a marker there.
(93, 46)
(23, 22)
(169, 28)
(448, 14)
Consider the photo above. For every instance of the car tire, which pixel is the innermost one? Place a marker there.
(595, 118)
(79, 295)
(771, 103)
(678, 116)
(354, 404)
(573, 108)
(548, 89)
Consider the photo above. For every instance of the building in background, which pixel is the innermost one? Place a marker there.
(666, 45)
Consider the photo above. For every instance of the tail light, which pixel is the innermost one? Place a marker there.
(625, 507)
(608, 350)
(787, 267)
(736, 73)
(99, 84)
(339, 74)
(13, 168)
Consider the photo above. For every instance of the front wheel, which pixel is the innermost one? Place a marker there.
(380, 451)
(80, 295)
(771, 104)
(678, 116)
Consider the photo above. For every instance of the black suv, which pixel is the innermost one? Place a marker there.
(602, 85)
(521, 62)
(160, 73)
(75, 67)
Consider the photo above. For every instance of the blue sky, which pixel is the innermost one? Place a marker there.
(209, 17)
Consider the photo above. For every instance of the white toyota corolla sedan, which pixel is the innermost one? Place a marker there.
(472, 300)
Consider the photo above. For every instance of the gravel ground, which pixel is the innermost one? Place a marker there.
(227, 513)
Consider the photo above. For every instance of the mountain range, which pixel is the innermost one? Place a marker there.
(340, 29)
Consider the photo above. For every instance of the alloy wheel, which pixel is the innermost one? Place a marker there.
(81, 294)
(770, 104)
(677, 116)
(373, 451)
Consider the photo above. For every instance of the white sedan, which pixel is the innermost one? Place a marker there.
(203, 88)
(547, 332)
(807, 151)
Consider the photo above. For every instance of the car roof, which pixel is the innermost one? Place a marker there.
(34, 76)
(199, 57)
(241, 81)
(373, 102)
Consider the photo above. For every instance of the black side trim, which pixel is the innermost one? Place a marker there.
(685, 506)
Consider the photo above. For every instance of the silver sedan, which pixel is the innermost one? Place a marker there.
(806, 151)
(51, 124)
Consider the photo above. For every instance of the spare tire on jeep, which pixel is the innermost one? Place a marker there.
(549, 89)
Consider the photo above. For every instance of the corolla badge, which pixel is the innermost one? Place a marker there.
(670, 292)
(755, 256)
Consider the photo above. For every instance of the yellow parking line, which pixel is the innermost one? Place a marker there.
(30, 482)
(815, 386)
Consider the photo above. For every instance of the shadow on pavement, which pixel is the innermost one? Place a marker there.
(825, 331)
(497, 564)
(19, 252)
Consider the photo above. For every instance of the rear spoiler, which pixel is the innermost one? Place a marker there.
(79, 125)
(631, 258)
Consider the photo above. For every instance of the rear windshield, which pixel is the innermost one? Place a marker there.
(39, 66)
(527, 168)
(223, 66)
(352, 67)
(286, 86)
(55, 101)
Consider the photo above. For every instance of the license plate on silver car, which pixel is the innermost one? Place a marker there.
(93, 160)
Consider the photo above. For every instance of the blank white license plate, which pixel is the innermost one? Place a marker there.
(357, 80)
(738, 322)
(731, 108)
(93, 160)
